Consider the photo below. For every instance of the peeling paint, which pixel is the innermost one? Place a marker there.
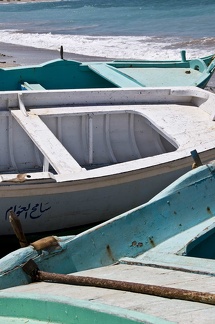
(109, 252)
(134, 243)
(151, 240)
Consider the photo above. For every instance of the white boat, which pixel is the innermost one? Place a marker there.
(75, 157)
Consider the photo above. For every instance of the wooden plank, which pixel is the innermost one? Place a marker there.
(114, 76)
(178, 311)
(32, 86)
(47, 143)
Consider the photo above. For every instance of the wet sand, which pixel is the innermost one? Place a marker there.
(14, 55)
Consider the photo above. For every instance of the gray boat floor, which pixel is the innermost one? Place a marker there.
(178, 311)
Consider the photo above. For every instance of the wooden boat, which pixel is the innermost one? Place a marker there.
(71, 153)
(67, 74)
(43, 309)
(157, 258)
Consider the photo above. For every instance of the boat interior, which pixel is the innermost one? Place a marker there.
(85, 137)
(139, 75)
(191, 250)
(61, 134)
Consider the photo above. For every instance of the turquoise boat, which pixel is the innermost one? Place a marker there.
(157, 259)
(68, 74)
(30, 309)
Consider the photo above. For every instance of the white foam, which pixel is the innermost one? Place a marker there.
(123, 47)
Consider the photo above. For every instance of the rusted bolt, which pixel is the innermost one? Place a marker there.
(152, 241)
(134, 243)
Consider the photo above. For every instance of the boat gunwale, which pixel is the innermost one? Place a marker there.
(67, 305)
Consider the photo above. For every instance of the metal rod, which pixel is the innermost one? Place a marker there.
(61, 52)
(167, 292)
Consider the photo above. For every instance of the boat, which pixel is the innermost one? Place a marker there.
(157, 259)
(72, 152)
(68, 74)
(41, 310)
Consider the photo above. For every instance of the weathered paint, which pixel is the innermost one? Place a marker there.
(177, 214)
(26, 308)
(79, 149)
(66, 74)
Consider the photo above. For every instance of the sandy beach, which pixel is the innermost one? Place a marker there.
(14, 55)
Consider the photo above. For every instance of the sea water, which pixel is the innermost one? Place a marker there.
(136, 29)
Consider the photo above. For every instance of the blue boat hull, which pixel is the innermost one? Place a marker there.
(178, 210)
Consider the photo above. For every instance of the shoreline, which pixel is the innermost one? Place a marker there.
(16, 55)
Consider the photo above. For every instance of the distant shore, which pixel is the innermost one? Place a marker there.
(18, 1)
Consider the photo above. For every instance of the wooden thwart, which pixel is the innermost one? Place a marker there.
(47, 143)
(114, 76)
(32, 86)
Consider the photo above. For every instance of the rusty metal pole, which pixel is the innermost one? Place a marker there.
(61, 52)
(174, 293)
(17, 228)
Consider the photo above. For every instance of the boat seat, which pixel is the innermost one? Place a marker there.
(115, 76)
(48, 144)
(32, 86)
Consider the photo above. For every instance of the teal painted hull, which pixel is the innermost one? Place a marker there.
(168, 228)
(65, 74)
(33, 309)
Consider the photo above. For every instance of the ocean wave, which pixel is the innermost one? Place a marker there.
(123, 47)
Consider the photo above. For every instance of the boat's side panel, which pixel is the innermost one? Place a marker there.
(59, 74)
(144, 227)
(55, 206)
